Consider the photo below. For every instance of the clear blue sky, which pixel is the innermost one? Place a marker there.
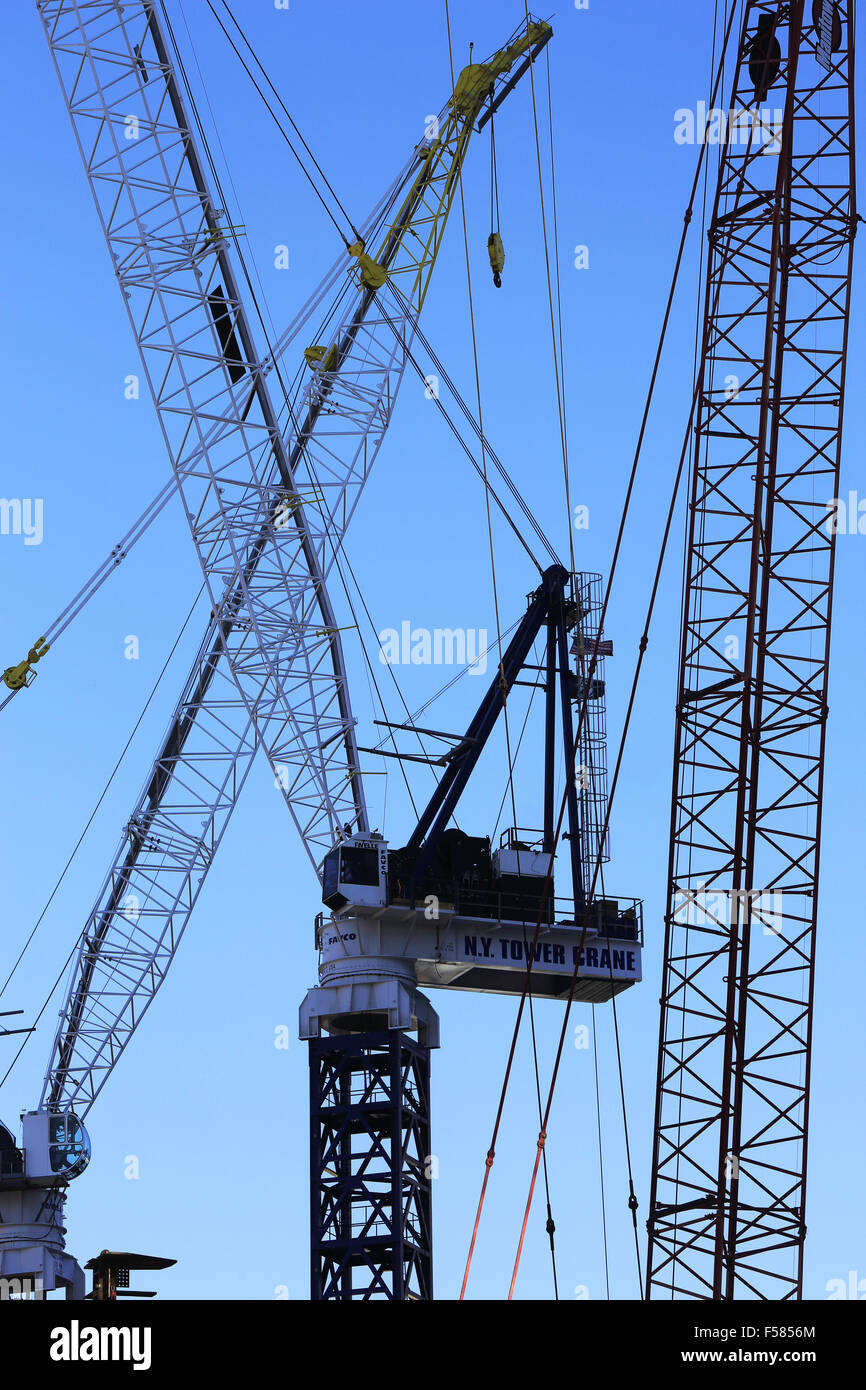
(216, 1116)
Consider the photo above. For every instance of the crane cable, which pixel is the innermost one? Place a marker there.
(494, 174)
(370, 667)
(558, 363)
(559, 303)
(78, 843)
(495, 249)
(684, 569)
(418, 332)
(632, 1202)
(115, 557)
(480, 412)
(600, 1156)
(560, 385)
(136, 531)
(523, 728)
(112, 561)
(274, 361)
(642, 647)
(508, 748)
(559, 370)
(443, 689)
(256, 369)
(347, 241)
(650, 396)
(407, 307)
(486, 447)
(319, 498)
(152, 511)
(550, 1225)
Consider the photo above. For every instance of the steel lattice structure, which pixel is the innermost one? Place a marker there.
(727, 1205)
(370, 1181)
(268, 508)
(231, 463)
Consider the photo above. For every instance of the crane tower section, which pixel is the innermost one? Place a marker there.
(448, 910)
(727, 1205)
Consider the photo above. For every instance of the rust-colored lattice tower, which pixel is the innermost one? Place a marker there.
(727, 1215)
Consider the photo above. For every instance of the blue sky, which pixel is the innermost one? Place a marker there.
(216, 1116)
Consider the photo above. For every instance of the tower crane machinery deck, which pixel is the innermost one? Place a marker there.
(445, 911)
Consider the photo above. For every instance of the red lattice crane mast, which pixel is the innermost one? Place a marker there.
(727, 1204)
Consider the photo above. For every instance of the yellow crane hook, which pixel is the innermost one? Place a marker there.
(496, 252)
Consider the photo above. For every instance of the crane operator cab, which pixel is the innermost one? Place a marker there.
(355, 873)
(55, 1148)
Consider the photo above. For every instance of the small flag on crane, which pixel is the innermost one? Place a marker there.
(591, 648)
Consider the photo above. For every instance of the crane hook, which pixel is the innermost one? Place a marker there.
(496, 252)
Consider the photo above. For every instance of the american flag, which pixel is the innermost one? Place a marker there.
(590, 646)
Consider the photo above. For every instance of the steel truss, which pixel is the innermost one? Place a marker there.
(727, 1205)
(268, 510)
(258, 551)
(370, 1177)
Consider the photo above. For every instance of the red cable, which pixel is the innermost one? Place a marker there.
(540, 1147)
(488, 1165)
